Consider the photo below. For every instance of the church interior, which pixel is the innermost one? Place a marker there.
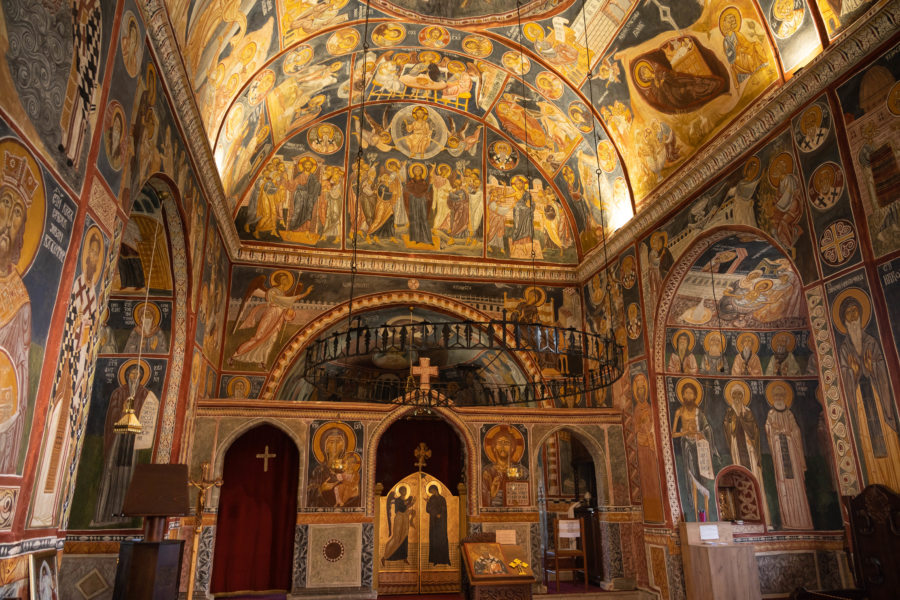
(406, 282)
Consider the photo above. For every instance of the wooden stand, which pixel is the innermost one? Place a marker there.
(718, 569)
(148, 570)
(514, 585)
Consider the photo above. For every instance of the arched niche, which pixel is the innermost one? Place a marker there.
(736, 374)
(739, 497)
(142, 329)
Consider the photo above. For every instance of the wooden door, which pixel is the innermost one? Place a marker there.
(418, 537)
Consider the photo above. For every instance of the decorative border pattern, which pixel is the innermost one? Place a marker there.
(176, 364)
(848, 476)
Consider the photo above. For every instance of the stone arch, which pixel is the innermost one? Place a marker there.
(292, 351)
(465, 434)
(590, 442)
(218, 465)
(666, 304)
(170, 202)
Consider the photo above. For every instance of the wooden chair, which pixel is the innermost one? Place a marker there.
(562, 557)
(875, 536)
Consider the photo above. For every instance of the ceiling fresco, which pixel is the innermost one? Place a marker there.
(487, 132)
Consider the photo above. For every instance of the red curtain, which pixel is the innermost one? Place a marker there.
(257, 514)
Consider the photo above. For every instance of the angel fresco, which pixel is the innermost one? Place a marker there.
(400, 517)
(376, 135)
(266, 309)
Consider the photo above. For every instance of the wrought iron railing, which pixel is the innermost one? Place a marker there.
(597, 359)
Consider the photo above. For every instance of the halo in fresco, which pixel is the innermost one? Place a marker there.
(296, 59)
(502, 155)
(786, 17)
(893, 99)
(260, 87)
(472, 12)
(825, 186)
(387, 35)
(114, 142)
(25, 175)
(606, 154)
(477, 46)
(812, 128)
(325, 138)
(342, 41)
(418, 131)
(434, 36)
(581, 116)
(549, 85)
(516, 62)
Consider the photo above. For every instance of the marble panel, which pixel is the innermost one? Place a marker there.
(87, 577)
(334, 556)
(783, 573)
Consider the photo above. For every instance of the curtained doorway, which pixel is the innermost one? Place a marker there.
(254, 547)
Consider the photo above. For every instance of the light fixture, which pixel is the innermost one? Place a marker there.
(128, 423)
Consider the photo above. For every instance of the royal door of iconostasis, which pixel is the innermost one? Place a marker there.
(420, 468)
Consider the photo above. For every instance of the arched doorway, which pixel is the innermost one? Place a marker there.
(567, 474)
(257, 513)
(420, 472)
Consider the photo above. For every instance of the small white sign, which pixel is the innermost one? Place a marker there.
(506, 537)
(569, 528)
(709, 532)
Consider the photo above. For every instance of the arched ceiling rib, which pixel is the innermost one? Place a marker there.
(279, 85)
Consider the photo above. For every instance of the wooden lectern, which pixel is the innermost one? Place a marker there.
(151, 569)
(715, 568)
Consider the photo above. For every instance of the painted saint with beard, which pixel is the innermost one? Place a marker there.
(21, 195)
(867, 388)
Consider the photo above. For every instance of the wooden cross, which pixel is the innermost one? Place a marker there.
(425, 372)
(421, 453)
(265, 456)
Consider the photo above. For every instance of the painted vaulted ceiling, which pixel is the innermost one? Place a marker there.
(586, 108)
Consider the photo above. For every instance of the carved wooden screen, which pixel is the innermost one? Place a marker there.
(418, 537)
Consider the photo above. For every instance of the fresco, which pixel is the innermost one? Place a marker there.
(827, 188)
(464, 375)
(335, 466)
(268, 306)
(870, 102)
(793, 26)
(133, 325)
(889, 275)
(741, 387)
(39, 216)
(213, 295)
(647, 445)
(765, 192)
(240, 387)
(108, 460)
(505, 479)
(53, 50)
(840, 14)
(70, 394)
(135, 342)
(865, 379)
(677, 78)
